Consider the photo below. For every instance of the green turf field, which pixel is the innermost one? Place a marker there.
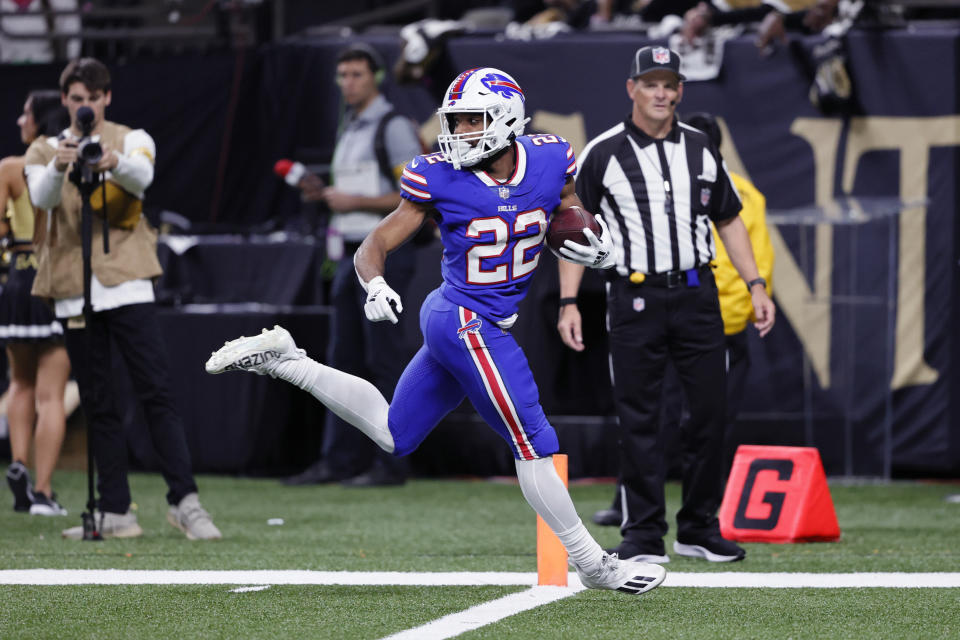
(460, 526)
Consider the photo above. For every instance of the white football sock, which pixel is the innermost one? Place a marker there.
(352, 398)
(544, 491)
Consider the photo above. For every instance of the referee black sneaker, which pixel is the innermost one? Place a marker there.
(608, 518)
(19, 480)
(711, 546)
(650, 552)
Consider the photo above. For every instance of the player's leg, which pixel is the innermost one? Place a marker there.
(274, 353)
(90, 352)
(738, 365)
(136, 332)
(20, 417)
(698, 349)
(493, 370)
(427, 390)
(53, 369)
(425, 393)
(21, 411)
(638, 357)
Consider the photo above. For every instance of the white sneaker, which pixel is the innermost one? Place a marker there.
(259, 354)
(110, 525)
(630, 577)
(193, 519)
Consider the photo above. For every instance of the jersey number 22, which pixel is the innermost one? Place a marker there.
(520, 265)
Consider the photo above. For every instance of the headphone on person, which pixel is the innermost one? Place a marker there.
(373, 58)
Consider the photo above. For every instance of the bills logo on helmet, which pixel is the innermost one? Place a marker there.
(456, 90)
(661, 55)
(501, 85)
(472, 326)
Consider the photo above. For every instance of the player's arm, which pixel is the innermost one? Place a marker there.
(341, 201)
(569, 197)
(11, 170)
(11, 187)
(45, 179)
(599, 253)
(383, 303)
(737, 242)
(569, 323)
(133, 166)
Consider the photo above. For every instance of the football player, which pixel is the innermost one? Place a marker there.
(492, 191)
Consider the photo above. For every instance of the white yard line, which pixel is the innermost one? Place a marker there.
(814, 580)
(477, 616)
(487, 613)
(368, 578)
(382, 578)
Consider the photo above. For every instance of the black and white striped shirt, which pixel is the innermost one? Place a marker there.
(656, 195)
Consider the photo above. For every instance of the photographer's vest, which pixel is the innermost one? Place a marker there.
(133, 242)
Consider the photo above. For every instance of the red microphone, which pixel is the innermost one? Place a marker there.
(291, 172)
(299, 177)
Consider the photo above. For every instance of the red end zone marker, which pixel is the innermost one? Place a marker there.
(778, 494)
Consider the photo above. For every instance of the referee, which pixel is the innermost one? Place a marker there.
(656, 183)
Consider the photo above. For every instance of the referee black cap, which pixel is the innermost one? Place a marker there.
(648, 59)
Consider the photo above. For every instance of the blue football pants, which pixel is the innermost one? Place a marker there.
(468, 355)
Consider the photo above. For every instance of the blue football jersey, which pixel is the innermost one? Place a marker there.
(492, 232)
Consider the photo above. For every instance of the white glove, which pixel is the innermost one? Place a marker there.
(383, 303)
(599, 255)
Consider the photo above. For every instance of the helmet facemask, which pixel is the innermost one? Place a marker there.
(501, 109)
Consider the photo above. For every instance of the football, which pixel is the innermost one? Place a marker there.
(568, 224)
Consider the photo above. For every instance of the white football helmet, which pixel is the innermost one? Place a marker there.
(494, 94)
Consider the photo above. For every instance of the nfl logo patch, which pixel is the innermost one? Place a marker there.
(639, 304)
(504, 193)
(661, 55)
(705, 196)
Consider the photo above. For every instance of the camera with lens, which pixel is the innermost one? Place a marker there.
(89, 150)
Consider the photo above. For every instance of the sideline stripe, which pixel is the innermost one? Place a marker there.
(727, 579)
(487, 613)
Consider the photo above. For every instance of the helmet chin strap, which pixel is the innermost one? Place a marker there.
(486, 163)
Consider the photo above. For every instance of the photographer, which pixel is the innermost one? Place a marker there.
(122, 297)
